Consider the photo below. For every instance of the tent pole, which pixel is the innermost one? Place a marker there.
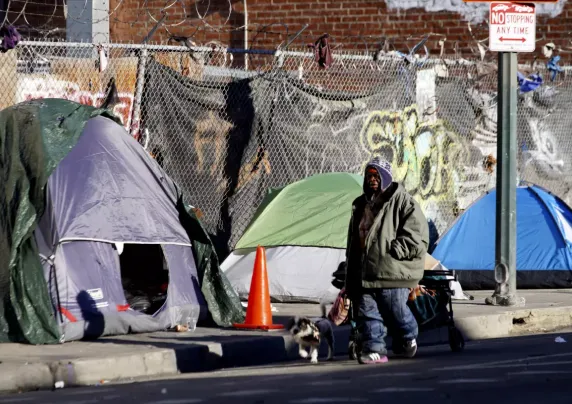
(505, 242)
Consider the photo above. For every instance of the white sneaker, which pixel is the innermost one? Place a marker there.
(371, 358)
(410, 349)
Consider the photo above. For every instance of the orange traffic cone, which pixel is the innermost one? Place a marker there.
(259, 312)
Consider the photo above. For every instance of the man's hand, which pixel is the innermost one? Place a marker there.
(412, 236)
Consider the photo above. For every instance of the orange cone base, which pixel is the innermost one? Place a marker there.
(245, 326)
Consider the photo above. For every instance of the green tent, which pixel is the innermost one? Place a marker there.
(312, 212)
(35, 137)
(303, 227)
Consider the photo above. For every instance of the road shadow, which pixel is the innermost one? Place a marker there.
(435, 372)
(194, 354)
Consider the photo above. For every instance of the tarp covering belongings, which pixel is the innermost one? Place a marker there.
(95, 239)
(543, 242)
(303, 227)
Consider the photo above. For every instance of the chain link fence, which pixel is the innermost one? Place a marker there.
(226, 134)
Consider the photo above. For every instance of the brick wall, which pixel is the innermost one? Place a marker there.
(354, 24)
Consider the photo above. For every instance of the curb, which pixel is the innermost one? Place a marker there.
(24, 377)
(515, 323)
(84, 372)
(259, 350)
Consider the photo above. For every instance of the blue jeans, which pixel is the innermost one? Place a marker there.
(381, 310)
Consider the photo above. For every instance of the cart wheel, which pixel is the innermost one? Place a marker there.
(352, 351)
(456, 340)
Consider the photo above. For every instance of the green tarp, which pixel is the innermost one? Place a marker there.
(311, 212)
(34, 137)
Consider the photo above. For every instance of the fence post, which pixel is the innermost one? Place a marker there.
(139, 85)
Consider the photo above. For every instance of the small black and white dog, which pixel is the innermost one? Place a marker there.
(310, 332)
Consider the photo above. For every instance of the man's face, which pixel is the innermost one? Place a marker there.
(373, 180)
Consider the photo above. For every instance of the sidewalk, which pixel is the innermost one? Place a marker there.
(26, 367)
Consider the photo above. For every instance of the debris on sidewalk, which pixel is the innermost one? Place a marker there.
(180, 328)
(59, 385)
(559, 340)
(458, 292)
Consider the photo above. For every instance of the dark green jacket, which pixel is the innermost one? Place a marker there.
(396, 245)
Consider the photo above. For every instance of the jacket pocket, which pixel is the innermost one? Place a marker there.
(391, 269)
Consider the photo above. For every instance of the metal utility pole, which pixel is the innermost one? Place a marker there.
(512, 29)
(505, 245)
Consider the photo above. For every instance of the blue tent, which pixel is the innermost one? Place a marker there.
(544, 242)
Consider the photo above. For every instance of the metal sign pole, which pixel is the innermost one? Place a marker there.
(505, 245)
(512, 29)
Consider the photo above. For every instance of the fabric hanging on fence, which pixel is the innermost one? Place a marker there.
(10, 38)
(322, 51)
(226, 141)
(530, 83)
(553, 67)
(195, 141)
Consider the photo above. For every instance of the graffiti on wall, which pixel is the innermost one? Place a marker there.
(544, 145)
(31, 88)
(473, 12)
(211, 132)
(79, 80)
(426, 157)
(446, 171)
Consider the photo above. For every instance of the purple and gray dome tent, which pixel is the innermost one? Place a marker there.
(105, 194)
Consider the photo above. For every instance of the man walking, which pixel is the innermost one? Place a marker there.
(387, 242)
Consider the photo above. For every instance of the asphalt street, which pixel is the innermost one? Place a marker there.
(530, 369)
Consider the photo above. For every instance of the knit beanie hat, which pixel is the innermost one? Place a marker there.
(384, 170)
